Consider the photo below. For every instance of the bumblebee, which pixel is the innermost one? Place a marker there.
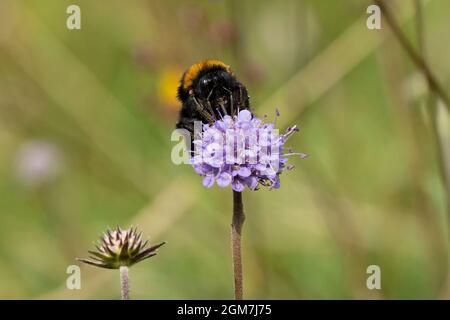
(208, 91)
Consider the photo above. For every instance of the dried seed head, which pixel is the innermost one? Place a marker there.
(118, 248)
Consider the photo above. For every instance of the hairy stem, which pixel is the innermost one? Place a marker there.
(124, 283)
(236, 229)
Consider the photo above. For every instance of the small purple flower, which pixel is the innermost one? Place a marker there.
(242, 151)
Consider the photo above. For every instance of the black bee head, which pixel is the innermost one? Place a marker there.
(208, 90)
(213, 84)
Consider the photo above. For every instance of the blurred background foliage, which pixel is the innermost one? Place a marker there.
(85, 123)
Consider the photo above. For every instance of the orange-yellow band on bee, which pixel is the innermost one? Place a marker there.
(196, 68)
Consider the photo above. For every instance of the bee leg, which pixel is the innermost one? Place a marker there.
(231, 100)
(243, 97)
(223, 109)
(208, 103)
(199, 108)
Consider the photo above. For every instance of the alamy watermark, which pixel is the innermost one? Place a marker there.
(373, 22)
(73, 281)
(374, 280)
(73, 21)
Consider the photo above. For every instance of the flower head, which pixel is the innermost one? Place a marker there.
(241, 151)
(119, 247)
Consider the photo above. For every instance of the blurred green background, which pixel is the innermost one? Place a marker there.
(85, 123)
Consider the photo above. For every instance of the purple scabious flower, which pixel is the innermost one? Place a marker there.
(241, 151)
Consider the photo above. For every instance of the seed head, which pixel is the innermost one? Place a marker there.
(118, 248)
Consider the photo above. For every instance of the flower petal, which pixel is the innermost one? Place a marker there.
(244, 116)
(244, 172)
(224, 179)
(251, 182)
(237, 185)
(208, 181)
